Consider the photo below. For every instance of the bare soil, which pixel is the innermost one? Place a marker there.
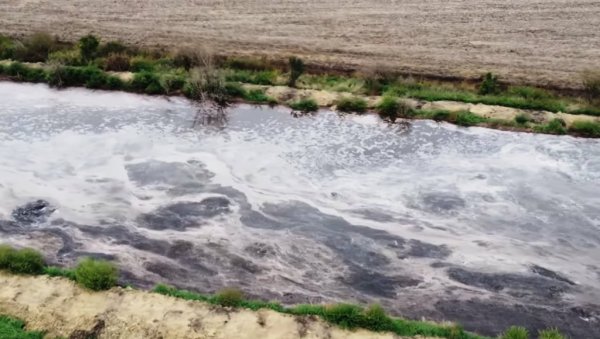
(546, 42)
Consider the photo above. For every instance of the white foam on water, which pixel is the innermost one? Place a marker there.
(530, 198)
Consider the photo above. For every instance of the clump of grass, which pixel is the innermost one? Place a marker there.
(352, 104)
(555, 126)
(96, 275)
(391, 108)
(230, 297)
(11, 328)
(22, 261)
(515, 332)
(305, 105)
(522, 119)
(257, 96)
(551, 334)
(585, 128)
(35, 48)
(489, 84)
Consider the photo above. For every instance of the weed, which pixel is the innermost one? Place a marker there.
(230, 297)
(489, 85)
(305, 105)
(112, 47)
(515, 332)
(352, 104)
(96, 275)
(551, 334)
(88, 47)
(591, 84)
(117, 63)
(71, 57)
(296, 70)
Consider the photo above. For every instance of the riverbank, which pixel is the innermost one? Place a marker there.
(201, 76)
(60, 308)
(456, 112)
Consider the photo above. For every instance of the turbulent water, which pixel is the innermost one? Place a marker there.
(484, 227)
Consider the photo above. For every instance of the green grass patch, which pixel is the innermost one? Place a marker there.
(515, 332)
(461, 118)
(555, 126)
(96, 275)
(257, 96)
(585, 128)
(352, 104)
(252, 77)
(54, 271)
(11, 328)
(551, 334)
(305, 105)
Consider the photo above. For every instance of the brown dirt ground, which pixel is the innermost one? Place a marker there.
(63, 309)
(531, 41)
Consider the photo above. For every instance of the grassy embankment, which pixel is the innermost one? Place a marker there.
(195, 74)
(98, 275)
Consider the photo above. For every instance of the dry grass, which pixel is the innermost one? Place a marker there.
(525, 40)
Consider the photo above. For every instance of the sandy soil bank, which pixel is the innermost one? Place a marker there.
(528, 41)
(60, 307)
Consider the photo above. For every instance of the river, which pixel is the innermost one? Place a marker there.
(484, 227)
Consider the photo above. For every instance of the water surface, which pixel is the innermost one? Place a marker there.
(427, 219)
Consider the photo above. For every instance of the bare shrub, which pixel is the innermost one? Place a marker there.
(206, 83)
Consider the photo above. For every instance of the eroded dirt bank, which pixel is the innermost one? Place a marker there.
(63, 309)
